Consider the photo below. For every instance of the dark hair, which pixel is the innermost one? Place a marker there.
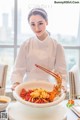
(38, 11)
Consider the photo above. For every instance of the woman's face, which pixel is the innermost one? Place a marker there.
(38, 25)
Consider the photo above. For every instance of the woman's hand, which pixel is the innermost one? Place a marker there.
(14, 85)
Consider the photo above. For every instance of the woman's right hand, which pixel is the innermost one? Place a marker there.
(14, 85)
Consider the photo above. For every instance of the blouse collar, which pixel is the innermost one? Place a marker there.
(43, 42)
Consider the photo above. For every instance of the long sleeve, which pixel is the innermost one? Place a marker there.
(60, 64)
(47, 53)
(20, 65)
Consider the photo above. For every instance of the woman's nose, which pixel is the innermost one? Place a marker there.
(36, 28)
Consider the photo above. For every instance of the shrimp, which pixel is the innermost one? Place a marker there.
(57, 88)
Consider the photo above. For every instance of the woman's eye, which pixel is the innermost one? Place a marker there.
(40, 23)
(32, 24)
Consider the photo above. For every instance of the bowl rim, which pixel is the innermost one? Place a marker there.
(55, 102)
(8, 99)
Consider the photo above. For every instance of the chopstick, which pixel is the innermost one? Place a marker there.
(48, 71)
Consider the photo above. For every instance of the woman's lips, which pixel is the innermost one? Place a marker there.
(38, 31)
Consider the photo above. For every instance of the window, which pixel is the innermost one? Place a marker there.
(64, 25)
(7, 34)
(6, 22)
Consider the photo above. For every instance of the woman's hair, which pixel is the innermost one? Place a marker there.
(38, 11)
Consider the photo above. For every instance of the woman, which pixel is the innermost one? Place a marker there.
(41, 49)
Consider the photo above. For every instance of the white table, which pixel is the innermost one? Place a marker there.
(70, 114)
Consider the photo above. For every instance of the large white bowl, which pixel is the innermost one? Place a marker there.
(34, 84)
(3, 105)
